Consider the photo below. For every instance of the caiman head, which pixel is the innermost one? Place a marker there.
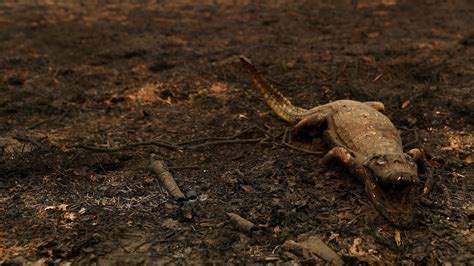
(391, 182)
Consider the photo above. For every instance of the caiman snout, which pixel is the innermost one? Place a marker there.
(398, 181)
(394, 198)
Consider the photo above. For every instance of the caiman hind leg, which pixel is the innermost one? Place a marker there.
(419, 157)
(379, 106)
(312, 125)
(347, 159)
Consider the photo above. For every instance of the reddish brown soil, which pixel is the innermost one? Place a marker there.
(105, 75)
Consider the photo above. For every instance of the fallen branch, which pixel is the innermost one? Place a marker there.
(46, 121)
(236, 135)
(228, 141)
(189, 167)
(241, 223)
(126, 146)
(285, 134)
(165, 177)
(28, 140)
(299, 149)
(416, 141)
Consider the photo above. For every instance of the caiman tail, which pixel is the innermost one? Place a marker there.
(274, 99)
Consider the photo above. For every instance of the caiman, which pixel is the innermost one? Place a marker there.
(363, 139)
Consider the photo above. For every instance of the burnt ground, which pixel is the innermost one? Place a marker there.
(103, 74)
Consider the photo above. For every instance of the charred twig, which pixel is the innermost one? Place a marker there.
(285, 133)
(46, 121)
(160, 168)
(266, 131)
(28, 140)
(241, 223)
(338, 74)
(184, 167)
(276, 82)
(226, 141)
(425, 201)
(416, 141)
(274, 137)
(206, 141)
(236, 135)
(299, 149)
(127, 146)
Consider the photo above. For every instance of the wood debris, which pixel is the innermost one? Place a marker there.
(314, 247)
(165, 177)
(240, 222)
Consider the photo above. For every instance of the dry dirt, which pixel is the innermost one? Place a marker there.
(109, 74)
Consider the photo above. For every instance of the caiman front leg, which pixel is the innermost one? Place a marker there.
(348, 159)
(340, 154)
(419, 157)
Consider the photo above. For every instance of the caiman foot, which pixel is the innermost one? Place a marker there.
(394, 203)
(419, 157)
(379, 106)
(341, 154)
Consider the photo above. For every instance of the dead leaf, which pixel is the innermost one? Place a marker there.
(405, 104)
(277, 229)
(333, 236)
(373, 34)
(398, 238)
(357, 250)
(356, 247)
(171, 224)
(470, 211)
(314, 247)
(218, 88)
(148, 179)
(70, 216)
(469, 159)
(141, 69)
(290, 64)
(437, 162)
(188, 214)
(377, 77)
(62, 207)
(425, 46)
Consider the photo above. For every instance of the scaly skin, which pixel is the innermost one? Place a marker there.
(361, 138)
(274, 99)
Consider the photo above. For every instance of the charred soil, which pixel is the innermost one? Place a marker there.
(89, 90)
